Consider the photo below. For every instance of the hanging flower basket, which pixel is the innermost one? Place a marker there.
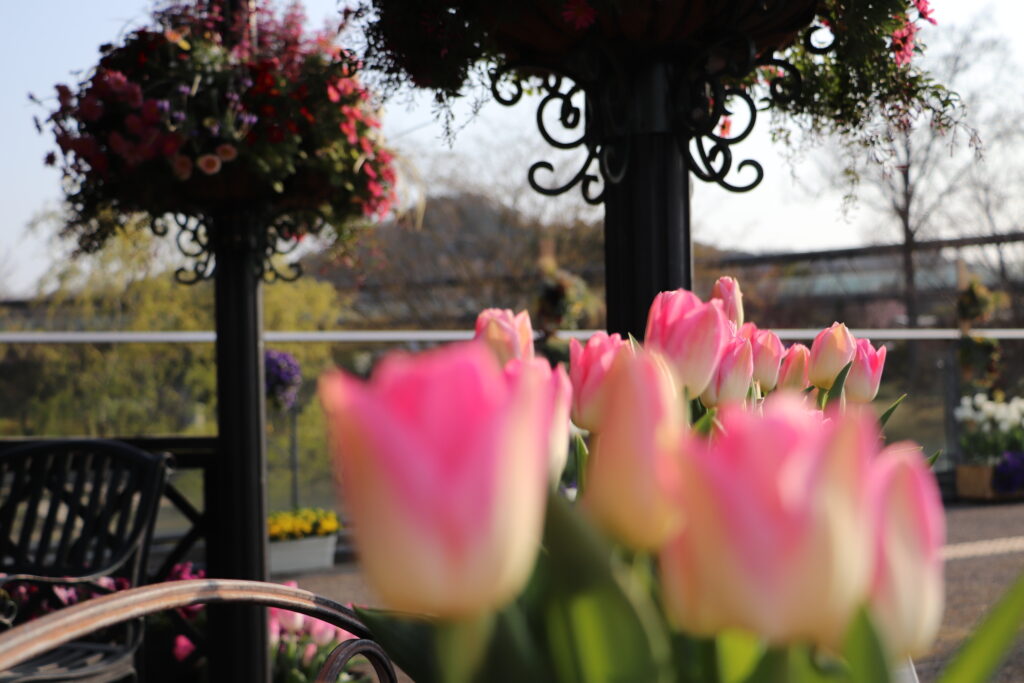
(868, 71)
(175, 120)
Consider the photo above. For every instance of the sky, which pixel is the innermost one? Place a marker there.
(47, 42)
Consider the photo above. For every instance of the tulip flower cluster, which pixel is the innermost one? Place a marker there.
(300, 645)
(760, 508)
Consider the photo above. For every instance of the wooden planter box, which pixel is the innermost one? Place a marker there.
(302, 554)
(974, 482)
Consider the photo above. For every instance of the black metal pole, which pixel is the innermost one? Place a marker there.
(647, 214)
(235, 489)
(293, 453)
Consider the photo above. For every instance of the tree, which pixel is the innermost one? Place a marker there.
(124, 390)
(927, 171)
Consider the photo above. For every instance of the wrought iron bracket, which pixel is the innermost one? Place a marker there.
(271, 234)
(598, 108)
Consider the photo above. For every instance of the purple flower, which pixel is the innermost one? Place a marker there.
(1008, 475)
(283, 378)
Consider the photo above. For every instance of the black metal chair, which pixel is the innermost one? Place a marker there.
(77, 515)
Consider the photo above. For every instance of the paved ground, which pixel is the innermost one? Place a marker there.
(985, 553)
(984, 556)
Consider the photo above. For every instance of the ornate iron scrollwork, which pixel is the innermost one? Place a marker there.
(705, 90)
(563, 93)
(193, 240)
(282, 235)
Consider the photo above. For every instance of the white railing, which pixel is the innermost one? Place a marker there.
(436, 336)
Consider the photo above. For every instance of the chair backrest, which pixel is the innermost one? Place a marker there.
(78, 508)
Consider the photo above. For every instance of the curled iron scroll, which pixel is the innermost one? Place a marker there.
(340, 657)
(560, 102)
(283, 233)
(192, 237)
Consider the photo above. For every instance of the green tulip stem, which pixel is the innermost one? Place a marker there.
(462, 646)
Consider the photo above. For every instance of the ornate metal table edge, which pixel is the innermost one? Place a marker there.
(36, 637)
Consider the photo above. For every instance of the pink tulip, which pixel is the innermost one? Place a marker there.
(561, 397)
(727, 290)
(793, 373)
(691, 334)
(321, 632)
(442, 461)
(509, 335)
(183, 647)
(866, 373)
(768, 353)
(308, 654)
(907, 590)
(588, 366)
(734, 374)
(273, 628)
(777, 536)
(290, 622)
(633, 470)
(832, 349)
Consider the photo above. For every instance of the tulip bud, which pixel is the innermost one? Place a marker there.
(321, 632)
(907, 591)
(633, 469)
(768, 353)
(509, 335)
(727, 290)
(558, 383)
(289, 621)
(733, 376)
(691, 334)
(777, 536)
(793, 373)
(866, 373)
(442, 462)
(183, 647)
(588, 366)
(832, 349)
(273, 629)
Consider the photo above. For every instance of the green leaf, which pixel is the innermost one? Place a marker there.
(430, 652)
(462, 646)
(884, 419)
(582, 456)
(738, 654)
(514, 655)
(706, 423)
(597, 627)
(696, 659)
(409, 640)
(983, 652)
(935, 456)
(773, 667)
(836, 392)
(697, 410)
(864, 653)
(798, 664)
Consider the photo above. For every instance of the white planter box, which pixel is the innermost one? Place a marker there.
(302, 554)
